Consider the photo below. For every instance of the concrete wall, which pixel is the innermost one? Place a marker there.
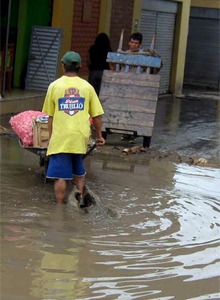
(28, 101)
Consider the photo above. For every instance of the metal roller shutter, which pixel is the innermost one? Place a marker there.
(164, 24)
(43, 57)
(203, 48)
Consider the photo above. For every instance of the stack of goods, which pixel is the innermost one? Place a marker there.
(23, 124)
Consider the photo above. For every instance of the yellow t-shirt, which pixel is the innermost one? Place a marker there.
(70, 101)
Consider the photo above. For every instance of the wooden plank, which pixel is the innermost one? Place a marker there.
(128, 91)
(130, 76)
(118, 107)
(120, 123)
(40, 134)
(132, 98)
(128, 117)
(126, 104)
(121, 131)
(131, 81)
(35, 136)
(134, 60)
(141, 131)
(149, 103)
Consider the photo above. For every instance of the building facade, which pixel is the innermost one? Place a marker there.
(190, 55)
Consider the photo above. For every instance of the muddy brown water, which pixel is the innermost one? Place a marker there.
(163, 243)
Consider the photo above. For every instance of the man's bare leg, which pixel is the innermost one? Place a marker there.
(79, 182)
(60, 190)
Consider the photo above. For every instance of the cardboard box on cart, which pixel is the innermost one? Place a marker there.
(40, 132)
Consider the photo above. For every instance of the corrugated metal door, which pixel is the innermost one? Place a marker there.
(203, 48)
(163, 22)
(43, 57)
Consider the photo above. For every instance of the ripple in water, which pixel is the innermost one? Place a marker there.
(169, 237)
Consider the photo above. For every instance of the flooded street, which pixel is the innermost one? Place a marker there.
(162, 242)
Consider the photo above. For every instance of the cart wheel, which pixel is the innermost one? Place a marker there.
(41, 161)
(146, 141)
(104, 134)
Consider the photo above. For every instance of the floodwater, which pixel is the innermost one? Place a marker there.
(190, 127)
(163, 243)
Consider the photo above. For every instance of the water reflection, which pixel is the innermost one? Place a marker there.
(165, 245)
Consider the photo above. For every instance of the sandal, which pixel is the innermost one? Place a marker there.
(82, 203)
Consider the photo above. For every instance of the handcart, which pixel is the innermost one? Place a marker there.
(42, 151)
(44, 159)
(129, 93)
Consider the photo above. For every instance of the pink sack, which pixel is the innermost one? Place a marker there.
(22, 125)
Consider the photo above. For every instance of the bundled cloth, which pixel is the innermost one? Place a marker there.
(22, 124)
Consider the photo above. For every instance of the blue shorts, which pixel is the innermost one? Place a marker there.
(65, 166)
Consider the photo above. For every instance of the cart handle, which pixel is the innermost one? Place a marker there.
(89, 151)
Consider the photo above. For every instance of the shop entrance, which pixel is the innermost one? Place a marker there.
(17, 19)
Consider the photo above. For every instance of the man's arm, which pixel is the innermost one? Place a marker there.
(97, 121)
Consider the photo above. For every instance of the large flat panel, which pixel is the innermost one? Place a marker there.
(43, 57)
(129, 105)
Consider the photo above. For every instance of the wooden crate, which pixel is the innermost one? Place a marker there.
(40, 134)
(129, 101)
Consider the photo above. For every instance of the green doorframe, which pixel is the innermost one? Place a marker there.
(19, 56)
(30, 12)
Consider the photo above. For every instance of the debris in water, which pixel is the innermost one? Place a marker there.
(134, 150)
(200, 161)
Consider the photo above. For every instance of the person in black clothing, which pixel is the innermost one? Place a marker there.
(97, 60)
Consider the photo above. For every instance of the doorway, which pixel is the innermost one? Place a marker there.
(23, 15)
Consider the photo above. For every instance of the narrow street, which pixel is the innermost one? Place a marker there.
(161, 239)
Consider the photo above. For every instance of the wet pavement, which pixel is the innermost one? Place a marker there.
(162, 242)
(184, 127)
(188, 126)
